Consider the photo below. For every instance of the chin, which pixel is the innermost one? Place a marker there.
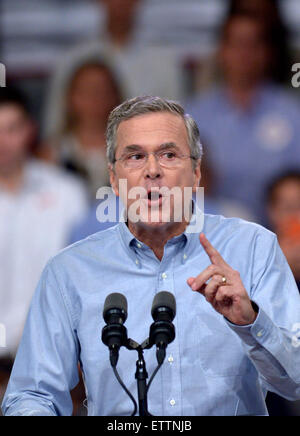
(153, 226)
(159, 215)
(158, 221)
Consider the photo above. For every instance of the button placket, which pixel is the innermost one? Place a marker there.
(171, 369)
(170, 359)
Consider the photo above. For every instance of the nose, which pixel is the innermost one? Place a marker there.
(152, 168)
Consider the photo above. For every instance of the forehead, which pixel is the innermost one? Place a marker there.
(244, 26)
(153, 129)
(11, 113)
(288, 186)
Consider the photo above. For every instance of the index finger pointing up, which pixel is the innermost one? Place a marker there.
(213, 254)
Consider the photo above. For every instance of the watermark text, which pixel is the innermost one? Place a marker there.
(158, 204)
(2, 336)
(296, 76)
(2, 76)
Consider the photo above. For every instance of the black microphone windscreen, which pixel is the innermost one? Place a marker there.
(115, 301)
(164, 299)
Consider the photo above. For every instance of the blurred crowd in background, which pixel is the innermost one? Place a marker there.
(70, 62)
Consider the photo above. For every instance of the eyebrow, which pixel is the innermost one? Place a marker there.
(164, 146)
(168, 145)
(132, 147)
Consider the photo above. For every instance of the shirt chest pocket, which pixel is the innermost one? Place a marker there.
(218, 349)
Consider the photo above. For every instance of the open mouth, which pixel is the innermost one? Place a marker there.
(154, 198)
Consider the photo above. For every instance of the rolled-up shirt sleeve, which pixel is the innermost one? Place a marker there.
(46, 365)
(273, 341)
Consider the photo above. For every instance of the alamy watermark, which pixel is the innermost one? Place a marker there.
(296, 76)
(2, 336)
(153, 205)
(2, 76)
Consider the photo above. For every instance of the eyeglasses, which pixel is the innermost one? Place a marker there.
(167, 159)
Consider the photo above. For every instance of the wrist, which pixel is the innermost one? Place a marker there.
(250, 319)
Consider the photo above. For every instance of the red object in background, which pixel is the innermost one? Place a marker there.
(290, 229)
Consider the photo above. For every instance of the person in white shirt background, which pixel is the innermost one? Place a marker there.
(39, 204)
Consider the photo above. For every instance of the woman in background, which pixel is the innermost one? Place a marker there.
(78, 144)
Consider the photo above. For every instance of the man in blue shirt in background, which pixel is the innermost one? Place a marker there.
(238, 307)
(249, 122)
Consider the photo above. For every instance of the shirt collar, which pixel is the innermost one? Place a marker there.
(189, 238)
(192, 232)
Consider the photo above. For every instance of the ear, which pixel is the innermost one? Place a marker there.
(197, 176)
(113, 179)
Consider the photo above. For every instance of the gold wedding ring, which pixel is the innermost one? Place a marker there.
(224, 280)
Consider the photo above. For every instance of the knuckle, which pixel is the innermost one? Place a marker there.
(221, 293)
(236, 274)
(219, 297)
(213, 269)
(216, 279)
(210, 268)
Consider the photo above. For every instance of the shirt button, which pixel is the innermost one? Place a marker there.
(172, 402)
(137, 262)
(185, 256)
(170, 359)
(260, 333)
(139, 245)
(164, 276)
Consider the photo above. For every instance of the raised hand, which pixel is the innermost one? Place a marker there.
(223, 288)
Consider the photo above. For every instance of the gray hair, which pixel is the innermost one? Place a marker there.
(147, 104)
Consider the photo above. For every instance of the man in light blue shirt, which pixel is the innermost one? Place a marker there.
(238, 307)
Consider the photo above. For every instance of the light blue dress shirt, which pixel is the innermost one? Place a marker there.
(212, 368)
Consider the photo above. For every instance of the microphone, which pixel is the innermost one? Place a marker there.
(162, 331)
(114, 334)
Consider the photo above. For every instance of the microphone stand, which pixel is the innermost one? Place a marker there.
(162, 332)
(141, 376)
